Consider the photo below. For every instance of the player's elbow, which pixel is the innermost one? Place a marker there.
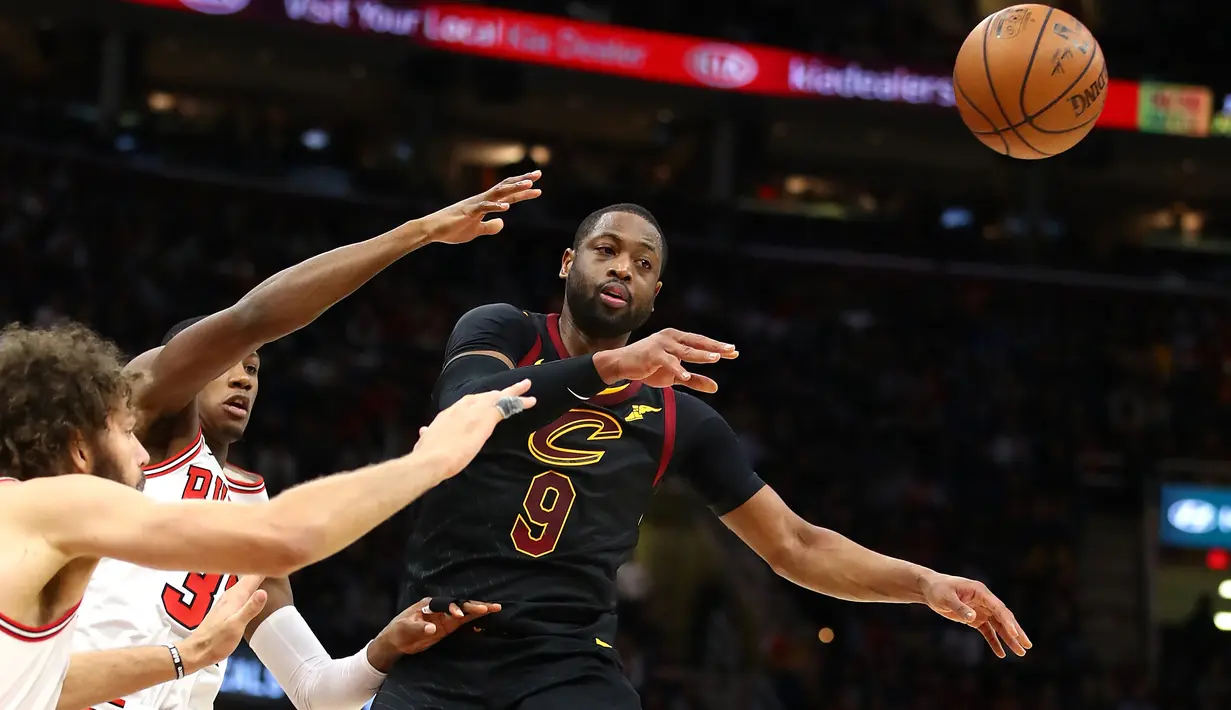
(794, 545)
(277, 550)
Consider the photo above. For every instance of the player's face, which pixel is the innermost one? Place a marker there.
(612, 277)
(118, 455)
(226, 403)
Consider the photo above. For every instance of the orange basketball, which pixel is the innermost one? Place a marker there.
(1030, 81)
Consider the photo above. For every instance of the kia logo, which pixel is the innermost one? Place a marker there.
(216, 7)
(1192, 516)
(722, 66)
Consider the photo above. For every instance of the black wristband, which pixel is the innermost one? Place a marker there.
(175, 658)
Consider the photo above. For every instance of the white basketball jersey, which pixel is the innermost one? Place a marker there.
(127, 605)
(34, 660)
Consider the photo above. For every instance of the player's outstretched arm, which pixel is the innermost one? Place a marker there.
(827, 562)
(97, 677)
(713, 459)
(86, 516)
(294, 297)
(487, 341)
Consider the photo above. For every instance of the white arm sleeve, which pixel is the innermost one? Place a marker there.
(312, 680)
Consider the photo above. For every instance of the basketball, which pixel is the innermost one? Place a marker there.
(1030, 81)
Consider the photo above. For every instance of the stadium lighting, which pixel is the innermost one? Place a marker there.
(1224, 589)
(1222, 621)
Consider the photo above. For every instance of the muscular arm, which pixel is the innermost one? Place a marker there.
(96, 677)
(810, 556)
(85, 516)
(282, 304)
(820, 559)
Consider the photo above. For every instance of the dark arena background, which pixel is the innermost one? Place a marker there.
(1015, 371)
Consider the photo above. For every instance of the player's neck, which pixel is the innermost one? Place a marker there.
(578, 343)
(219, 448)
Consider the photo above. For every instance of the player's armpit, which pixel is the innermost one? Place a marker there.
(819, 559)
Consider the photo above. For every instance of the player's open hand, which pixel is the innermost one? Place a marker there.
(658, 360)
(969, 602)
(456, 434)
(223, 627)
(462, 222)
(419, 628)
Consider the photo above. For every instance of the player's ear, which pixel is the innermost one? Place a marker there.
(79, 454)
(566, 263)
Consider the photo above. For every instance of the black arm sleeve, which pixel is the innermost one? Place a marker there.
(712, 458)
(504, 329)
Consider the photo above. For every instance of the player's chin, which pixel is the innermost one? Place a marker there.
(231, 429)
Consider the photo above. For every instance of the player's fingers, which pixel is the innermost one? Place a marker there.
(415, 628)
(489, 206)
(950, 602)
(504, 192)
(690, 354)
(998, 611)
(671, 363)
(455, 610)
(514, 390)
(531, 176)
(700, 342)
(479, 608)
(522, 196)
(1009, 640)
(989, 635)
(244, 588)
(489, 227)
(253, 606)
(700, 383)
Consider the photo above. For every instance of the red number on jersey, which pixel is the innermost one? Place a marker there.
(545, 510)
(202, 587)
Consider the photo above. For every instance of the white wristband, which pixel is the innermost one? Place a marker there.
(312, 680)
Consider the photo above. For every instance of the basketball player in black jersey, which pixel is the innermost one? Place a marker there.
(542, 519)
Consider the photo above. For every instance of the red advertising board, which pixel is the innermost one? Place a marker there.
(607, 49)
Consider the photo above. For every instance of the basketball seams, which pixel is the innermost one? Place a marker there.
(1029, 117)
(1034, 52)
(987, 72)
(984, 116)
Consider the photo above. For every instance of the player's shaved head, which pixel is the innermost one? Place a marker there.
(591, 222)
(180, 327)
(61, 385)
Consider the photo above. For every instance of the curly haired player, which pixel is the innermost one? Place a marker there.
(193, 400)
(70, 498)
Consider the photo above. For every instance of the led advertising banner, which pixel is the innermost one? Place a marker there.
(640, 54)
(1195, 516)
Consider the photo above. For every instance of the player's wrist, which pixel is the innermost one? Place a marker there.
(607, 364)
(413, 234)
(381, 653)
(193, 654)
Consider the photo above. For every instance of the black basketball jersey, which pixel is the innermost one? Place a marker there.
(543, 517)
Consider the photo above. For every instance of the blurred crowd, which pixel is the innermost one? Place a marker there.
(933, 419)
